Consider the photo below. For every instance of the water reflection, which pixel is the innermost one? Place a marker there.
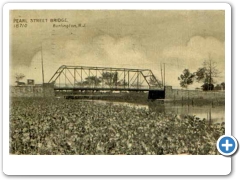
(214, 114)
(210, 113)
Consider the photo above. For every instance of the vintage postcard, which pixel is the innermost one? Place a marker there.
(118, 81)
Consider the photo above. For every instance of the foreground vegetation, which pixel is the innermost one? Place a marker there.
(59, 126)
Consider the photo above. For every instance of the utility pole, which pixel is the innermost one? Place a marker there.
(210, 68)
(210, 72)
(42, 63)
(164, 73)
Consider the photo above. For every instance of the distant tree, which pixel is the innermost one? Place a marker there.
(200, 75)
(93, 80)
(186, 78)
(122, 83)
(90, 81)
(110, 78)
(207, 87)
(218, 87)
(19, 76)
(207, 73)
(223, 85)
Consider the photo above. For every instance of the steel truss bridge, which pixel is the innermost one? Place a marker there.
(83, 78)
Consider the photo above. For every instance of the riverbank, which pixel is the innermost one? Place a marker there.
(142, 98)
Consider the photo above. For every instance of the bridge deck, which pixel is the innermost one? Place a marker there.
(106, 89)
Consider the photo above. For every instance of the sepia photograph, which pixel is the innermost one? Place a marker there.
(116, 82)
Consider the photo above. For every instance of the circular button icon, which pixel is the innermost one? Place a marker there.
(227, 145)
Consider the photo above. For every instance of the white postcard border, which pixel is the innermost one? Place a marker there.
(115, 165)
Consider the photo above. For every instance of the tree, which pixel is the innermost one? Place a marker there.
(19, 76)
(122, 83)
(186, 78)
(90, 81)
(200, 75)
(110, 78)
(218, 87)
(207, 73)
(223, 85)
(207, 87)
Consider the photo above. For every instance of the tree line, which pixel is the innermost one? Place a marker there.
(206, 74)
(111, 79)
(107, 78)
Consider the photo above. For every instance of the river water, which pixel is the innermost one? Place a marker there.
(216, 114)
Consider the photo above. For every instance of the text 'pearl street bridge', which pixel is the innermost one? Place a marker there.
(84, 78)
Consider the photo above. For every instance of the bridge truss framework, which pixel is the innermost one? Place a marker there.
(80, 78)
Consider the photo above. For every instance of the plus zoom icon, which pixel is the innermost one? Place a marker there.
(227, 145)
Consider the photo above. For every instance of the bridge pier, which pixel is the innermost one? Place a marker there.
(156, 94)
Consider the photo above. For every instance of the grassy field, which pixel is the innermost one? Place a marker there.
(59, 126)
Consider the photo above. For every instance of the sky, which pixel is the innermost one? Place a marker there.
(116, 38)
